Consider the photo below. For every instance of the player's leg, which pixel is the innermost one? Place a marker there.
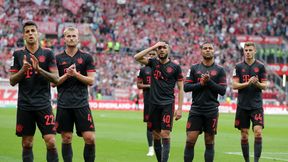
(245, 143)
(27, 152)
(191, 139)
(242, 122)
(209, 147)
(257, 118)
(67, 151)
(148, 131)
(157, 144)
(150, 141)
(154, 125)
(89, 148)
(166, 127)
(165, 136)
(46, 124)
(210, 128)
(64, 125)
(257, 142)
(25, 128)
(85, 128)
(193, 129)
(52, 154)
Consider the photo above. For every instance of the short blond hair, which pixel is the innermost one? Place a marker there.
(250, 44)
(70, 29)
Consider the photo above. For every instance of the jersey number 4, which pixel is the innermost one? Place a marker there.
(258, 117)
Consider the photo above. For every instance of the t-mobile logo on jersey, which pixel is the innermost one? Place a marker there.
(29, 73)
(157, 74)
(247, 77)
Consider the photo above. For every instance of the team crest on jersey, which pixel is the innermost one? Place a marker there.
(19, 128)
(188, 125)
(199, 72)
(169, 70)
(237, 122)
(157, 66)
(41, 58)
(243, 70)
(213, 72)
(256, 69)
(80, 61)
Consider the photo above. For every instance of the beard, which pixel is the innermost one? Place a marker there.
(163, 57)
(208, 57)
(31, 42)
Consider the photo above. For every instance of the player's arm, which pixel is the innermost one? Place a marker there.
(236, 85)
(178, 113)
(261, 82)
(88, 80)
(262, 85)
(190, 83)
(90, 68)
(51, 76)
(140, 57)
(141, 85)
(220, 87)
(61, 80)
(64, 77)
(190, 86)
(15, 75)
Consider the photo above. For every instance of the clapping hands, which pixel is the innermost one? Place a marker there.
(204, 78)
(71, 70)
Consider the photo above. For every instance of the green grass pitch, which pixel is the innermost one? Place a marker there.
(120, 137)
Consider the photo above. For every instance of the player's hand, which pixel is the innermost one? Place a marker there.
(26, 64)
(253, 80)
(71, 71)
(178, 114)
(35, 63)
(159, 44)
(202, 81)
(204, 78)
(250, 81)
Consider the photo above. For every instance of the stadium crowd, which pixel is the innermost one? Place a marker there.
(120, 30)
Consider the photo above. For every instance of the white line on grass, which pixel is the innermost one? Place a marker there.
(263, 157)
(6, 158)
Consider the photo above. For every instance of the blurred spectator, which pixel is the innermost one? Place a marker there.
(119, 30)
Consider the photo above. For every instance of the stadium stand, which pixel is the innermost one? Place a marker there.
(114, 31)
